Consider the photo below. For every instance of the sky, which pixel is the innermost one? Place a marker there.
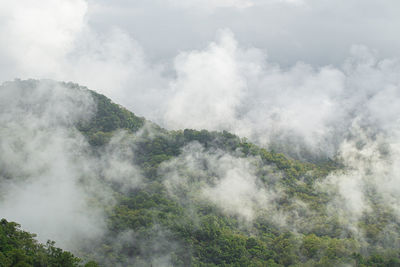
(265, 69)
(319, 32)
(302, 76)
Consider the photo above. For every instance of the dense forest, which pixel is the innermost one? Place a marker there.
(185, 197)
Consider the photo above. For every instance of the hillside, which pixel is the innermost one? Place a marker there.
(173, 198)
(19, 248)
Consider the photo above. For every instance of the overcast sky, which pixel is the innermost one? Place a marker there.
(305, 77)
(315, 31)
(253, 67)
(319, 32)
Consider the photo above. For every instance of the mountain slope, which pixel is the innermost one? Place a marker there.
(187, 197)
(19, 248)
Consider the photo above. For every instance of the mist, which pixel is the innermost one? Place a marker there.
(228, 181)
(49, 176)
(304, 78)
(231, 82)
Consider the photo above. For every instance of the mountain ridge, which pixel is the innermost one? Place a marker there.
(182, 211)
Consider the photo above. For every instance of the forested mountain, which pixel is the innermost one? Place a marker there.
(168, 198)
(19, 248)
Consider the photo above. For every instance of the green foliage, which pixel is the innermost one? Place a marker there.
(108, 117)
(150, 226)
(200, 234)
(19, 248)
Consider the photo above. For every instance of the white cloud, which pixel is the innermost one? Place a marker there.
(49, 180)
(223, 85)
(54, 40)
(208, 87)
(35, 37)
(38, 152)
(160, 60)
(212, 4)
(227, 181)
(228, 87)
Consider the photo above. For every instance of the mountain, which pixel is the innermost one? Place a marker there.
(120, 190)
(19, 248)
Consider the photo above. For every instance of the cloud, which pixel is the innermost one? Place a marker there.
(208, 85)
(210, 4)
(223, 84)
(40, 176)
(35, 37)
(49, 178)
(366, 188)
(164, 62)
(238, 191)
(309, 99)
(54, 40)
(228, 87)
(228, 181)
(318, 32)
(114, 64)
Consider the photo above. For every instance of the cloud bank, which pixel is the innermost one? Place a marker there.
(223, 85)
(50, 180)
(263, 76)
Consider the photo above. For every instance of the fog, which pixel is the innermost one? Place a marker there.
(312, 79)
(224, 81)
(50, 182)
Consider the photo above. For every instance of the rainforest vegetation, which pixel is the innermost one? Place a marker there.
(168, 219)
